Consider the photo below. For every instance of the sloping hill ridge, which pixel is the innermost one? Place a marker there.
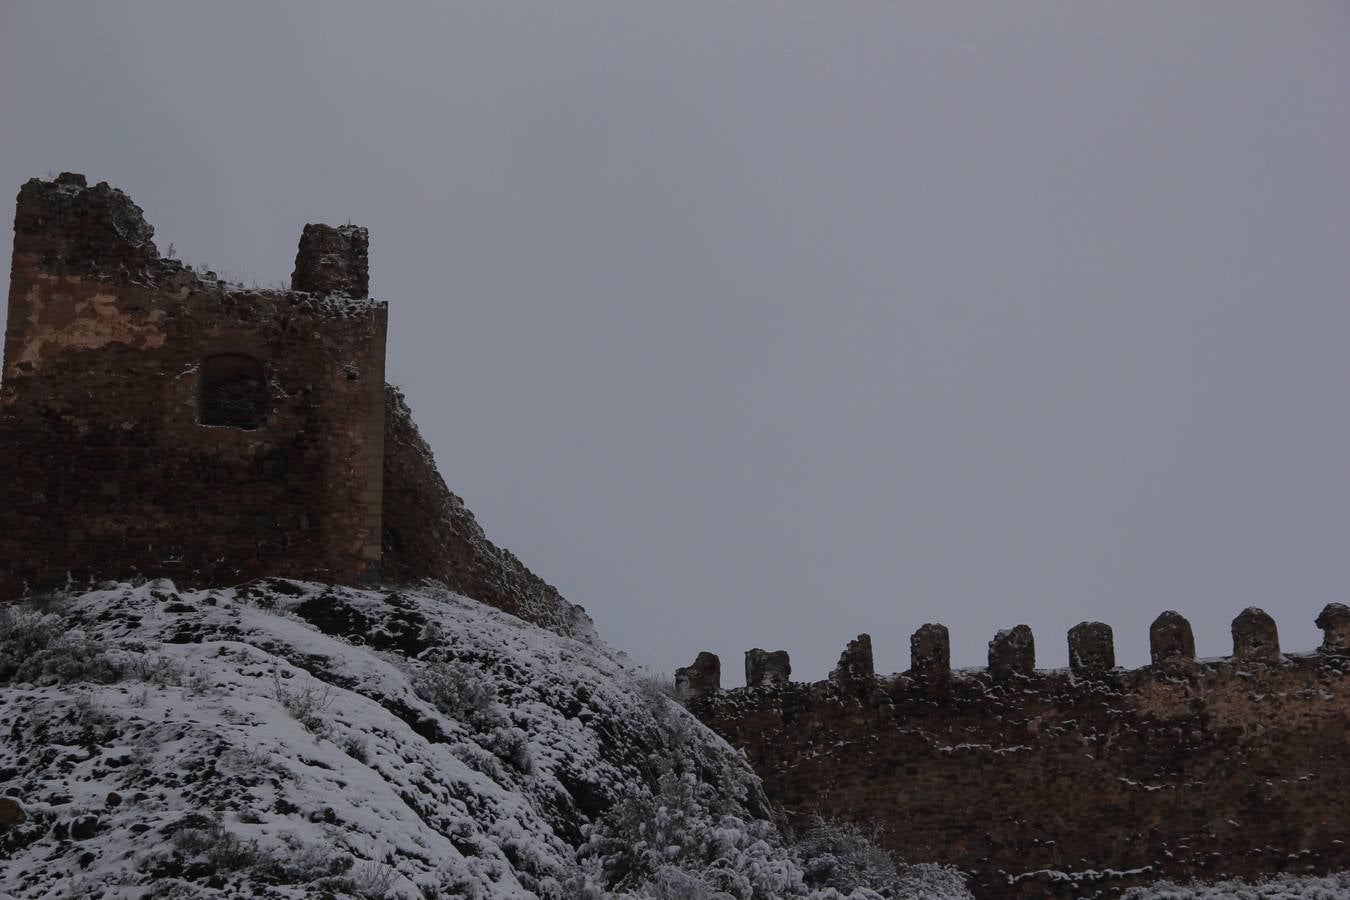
(288, 739)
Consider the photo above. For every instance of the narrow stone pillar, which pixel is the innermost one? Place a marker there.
(1171, 642)
(1092, 649)
(930, 657)
(764, 668)
(333, 260)
(700, 680)
(855, 663)
(1255, 637)
(1012, 652)
(1334, 620)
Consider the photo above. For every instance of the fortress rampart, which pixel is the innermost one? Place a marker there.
(156, 421)
(1066, 783)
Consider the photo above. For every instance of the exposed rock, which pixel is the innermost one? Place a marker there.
(11, 812)
(83, 828)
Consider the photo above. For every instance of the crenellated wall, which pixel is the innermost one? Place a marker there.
(1066, 783)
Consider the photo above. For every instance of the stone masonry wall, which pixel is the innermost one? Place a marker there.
(119, 367)
(430, 534)
(108, 471)
(1072, 783)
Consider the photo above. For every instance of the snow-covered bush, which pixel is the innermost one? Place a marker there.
(656, 686)
(308, 703)
(156, 668)
(511, 745)
(459, 690)
(844, 856)
(24, 633)
(929, 880)
(1279, 887)
(38, 647)
(682, 841)
(371, 880)
(356, 747)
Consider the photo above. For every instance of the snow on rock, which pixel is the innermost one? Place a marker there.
(1278, 887)
(288, 739)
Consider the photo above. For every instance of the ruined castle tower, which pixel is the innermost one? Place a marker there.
(156, 421)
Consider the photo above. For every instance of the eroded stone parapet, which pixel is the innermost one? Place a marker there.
(855, 663)
(1092, 648)
(69, 228)
(1334, 620)
(766, 668)
(702, 679)
(333, 260)
(1171, 642)
(1255, 636)
(1012, 652)
(930, 656)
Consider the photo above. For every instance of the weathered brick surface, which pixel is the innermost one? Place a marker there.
(702, 679)
(333, 261)
(1049, 784)
(109, 357)
(109, 473)
(1092, 649)
(767, 667)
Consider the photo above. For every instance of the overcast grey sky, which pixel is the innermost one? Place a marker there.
(767, 323)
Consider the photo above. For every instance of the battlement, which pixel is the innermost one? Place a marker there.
(1069, 782)
(1012, 655)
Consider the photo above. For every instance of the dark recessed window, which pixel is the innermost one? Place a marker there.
(234, 391)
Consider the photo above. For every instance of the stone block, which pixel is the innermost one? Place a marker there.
(702, 679)
(1255, 637)
(930, 656)
(1092, 648)
(1012, 652)
(1334, 620)
(1171, 642)
(855, 663)
(333, 260)
(766, 668)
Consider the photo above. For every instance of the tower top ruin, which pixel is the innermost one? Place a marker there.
(158, 421)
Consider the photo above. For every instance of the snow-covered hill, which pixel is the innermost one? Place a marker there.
(287, 739)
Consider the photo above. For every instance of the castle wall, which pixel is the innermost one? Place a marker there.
(430, 534)
(1070, 783)
(108, 470)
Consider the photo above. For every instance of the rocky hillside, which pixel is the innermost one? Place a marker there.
(287, 739)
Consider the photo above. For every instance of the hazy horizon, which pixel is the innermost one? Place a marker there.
(769, 324)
